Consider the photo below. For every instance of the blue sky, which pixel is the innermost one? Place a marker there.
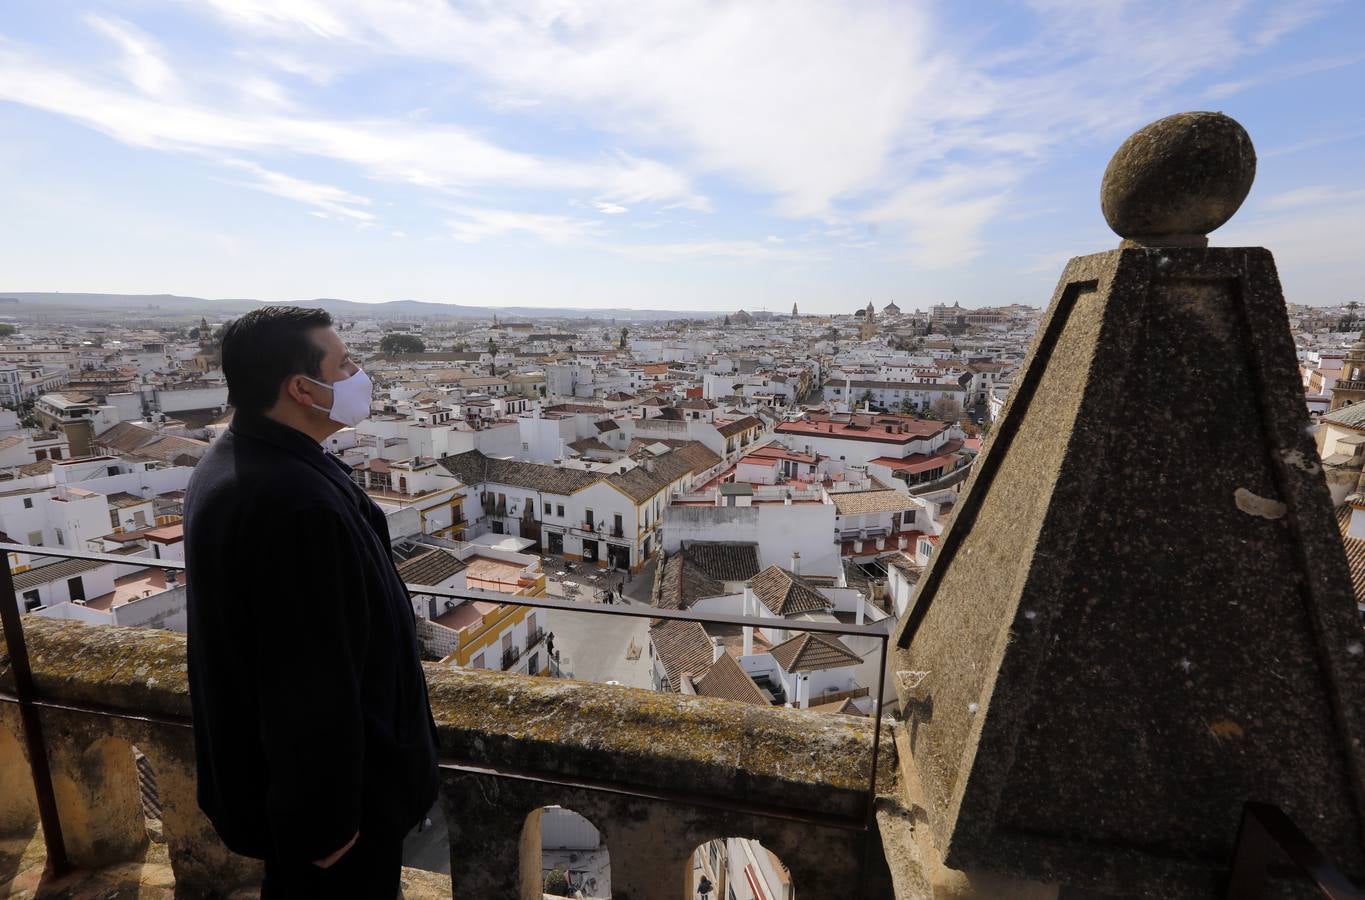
(691, 155)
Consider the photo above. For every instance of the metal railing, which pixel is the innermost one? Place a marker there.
(30, 703)
(1264, 830)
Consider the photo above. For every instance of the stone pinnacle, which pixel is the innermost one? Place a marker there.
(1177, 179)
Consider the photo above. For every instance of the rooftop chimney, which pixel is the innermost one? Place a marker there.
(172, 578)
(796, 563)
(717, 649)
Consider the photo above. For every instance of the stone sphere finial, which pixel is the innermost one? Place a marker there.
(1177, 179)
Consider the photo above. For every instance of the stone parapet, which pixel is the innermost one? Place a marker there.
(658, 774)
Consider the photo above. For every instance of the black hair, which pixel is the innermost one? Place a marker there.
(266, 346)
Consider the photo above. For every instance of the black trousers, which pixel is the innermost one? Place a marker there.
(370, 870)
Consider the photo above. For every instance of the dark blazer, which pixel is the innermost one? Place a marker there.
(311, 718)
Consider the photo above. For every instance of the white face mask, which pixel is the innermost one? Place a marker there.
(350, 398)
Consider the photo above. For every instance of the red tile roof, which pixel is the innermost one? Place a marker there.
(862, 430)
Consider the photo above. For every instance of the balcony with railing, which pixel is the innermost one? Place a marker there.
(1108, 684)
(513, 655)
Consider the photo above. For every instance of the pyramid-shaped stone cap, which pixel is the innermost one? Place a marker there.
(1141, 616)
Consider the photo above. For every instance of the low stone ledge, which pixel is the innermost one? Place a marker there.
(129, 669)
(654, 740)
(603, 733)
(148, 877)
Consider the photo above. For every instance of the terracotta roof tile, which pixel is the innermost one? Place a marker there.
(785, 594)
(812, 652)
(1355, 551)
(724, 560)
(432, 568)
(857, 503)
(728, 680)
(681, 647)
(684, 583)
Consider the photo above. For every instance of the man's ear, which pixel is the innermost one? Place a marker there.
(300, 390)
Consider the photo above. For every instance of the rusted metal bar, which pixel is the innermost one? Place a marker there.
(118, 559)
(26, 697)
(877, 737)
(1266, 829)
(643, 612)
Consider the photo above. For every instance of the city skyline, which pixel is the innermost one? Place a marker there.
(822, 155)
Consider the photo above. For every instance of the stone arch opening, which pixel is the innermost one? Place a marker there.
(737, 868)
(427, 845)
(563, 854)
(149, 795)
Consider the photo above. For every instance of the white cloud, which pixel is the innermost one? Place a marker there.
(1315, 195)
(1309, 143)
(684, 250)
(327, 201)
(809, 109)
(941, 219)
(264, 90)
(1225, 89)
(1301, 237)
(871, 119)
(477, 223)
(314, 15)
(309, 69)
(428, 155)
(1285, 18)
(142, 62)
(826, 108)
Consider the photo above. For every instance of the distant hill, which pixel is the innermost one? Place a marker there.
(174, 306)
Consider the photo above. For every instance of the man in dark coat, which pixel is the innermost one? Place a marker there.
(315, 743)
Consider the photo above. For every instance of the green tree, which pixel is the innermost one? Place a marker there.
(557, 882)
(947, 408)
(492, 347)
(6, 329)
(27, 417)
(401, 343)
(865, 399)
(623, 337)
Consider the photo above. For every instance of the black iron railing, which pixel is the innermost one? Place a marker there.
(1267, 833)
(30, 703)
